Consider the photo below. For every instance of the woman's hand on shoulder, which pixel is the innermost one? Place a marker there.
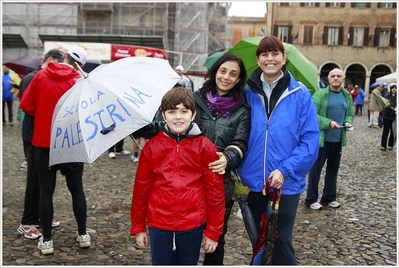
(219, 165)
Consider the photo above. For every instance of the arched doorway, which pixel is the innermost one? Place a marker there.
(356, 75)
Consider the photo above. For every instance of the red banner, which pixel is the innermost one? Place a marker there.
(124, 51)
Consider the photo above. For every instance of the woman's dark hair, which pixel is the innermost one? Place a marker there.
(269, 44)
(210, 77)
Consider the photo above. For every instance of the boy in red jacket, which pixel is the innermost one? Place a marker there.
(175, 193)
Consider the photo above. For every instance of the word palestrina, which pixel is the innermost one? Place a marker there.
(108, 109)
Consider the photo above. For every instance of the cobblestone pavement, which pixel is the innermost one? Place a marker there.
(362, 232)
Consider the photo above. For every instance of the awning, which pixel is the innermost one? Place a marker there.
(106, 52)
(13, 41)
(136, 40)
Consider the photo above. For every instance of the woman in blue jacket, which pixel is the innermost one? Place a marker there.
(283, 142)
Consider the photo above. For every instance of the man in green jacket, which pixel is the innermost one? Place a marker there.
(335, 114)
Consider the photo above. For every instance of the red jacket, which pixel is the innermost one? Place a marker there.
(42, 95)
(175, 190)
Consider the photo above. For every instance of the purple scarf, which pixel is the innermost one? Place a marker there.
(223, 105)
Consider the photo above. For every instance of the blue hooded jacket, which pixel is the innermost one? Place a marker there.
(288, 140)
(7, 87)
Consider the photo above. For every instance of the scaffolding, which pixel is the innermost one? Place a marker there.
(189, 31)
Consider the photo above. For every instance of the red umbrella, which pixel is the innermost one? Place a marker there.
(263, 251)
(25, 64)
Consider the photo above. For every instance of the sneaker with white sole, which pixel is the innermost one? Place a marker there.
(334, 204)
(111, 155)
(45, 247)
(316, 206)
(135, 159)
(123, 152)
(54, 223)
(29, 231)
(84, 240)
(24, 164)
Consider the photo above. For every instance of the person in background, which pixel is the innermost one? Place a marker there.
(117, 149)
(8, 96)
(359, 100)
(184, 81)
(175, 193)
(389, 116)
(39, 101)
(30, 217)
(283, 142)
(374, 107)
(192, 82)
(334, 111)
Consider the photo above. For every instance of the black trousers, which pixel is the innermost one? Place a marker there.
(387, 131)
(118, 147)
(10, 111)
(216, 257)
(32, 193)
(283, 251)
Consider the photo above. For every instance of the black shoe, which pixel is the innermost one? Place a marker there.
(383, 148)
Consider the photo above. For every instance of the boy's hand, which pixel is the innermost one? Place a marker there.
(142, 240)
(209, 245)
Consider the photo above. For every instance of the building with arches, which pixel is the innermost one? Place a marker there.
(357, 37)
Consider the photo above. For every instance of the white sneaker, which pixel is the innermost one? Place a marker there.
(29, 231)
(84, 240)
(24, 164)
(111, 155)
(45, 247)
(135, 159)
(334, 204)
(123, 152)
(316, 206)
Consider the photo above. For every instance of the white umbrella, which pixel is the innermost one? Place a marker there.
(389, 78)
(115, 100)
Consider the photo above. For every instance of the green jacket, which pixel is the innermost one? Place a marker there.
(320, 99)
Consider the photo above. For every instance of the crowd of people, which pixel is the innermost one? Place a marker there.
(268, 129)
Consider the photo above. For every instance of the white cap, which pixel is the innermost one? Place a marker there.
(179, 67)
(78, 54)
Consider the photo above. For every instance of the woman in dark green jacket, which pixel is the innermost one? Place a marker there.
(223, 115)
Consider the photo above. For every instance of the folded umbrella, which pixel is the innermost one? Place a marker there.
(263, 251)
(241, 194)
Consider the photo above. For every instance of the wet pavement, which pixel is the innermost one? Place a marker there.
(362, 232)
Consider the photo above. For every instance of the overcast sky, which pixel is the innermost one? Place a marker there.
(248, 9)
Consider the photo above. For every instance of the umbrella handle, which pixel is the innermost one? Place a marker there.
(138, 145)
(81, 70)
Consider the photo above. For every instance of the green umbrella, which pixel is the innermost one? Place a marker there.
(213, 58)
(300, 67)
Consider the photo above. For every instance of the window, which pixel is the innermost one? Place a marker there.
(229, 31)
(308, 34)
(358, 35)
(332, 36)
(285, 4)
(283, 33)
(385, 5)
(335, 4)
(383, 40)
(310, 4)
(244, 31)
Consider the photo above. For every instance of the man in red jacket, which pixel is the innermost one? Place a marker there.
(39, 100)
